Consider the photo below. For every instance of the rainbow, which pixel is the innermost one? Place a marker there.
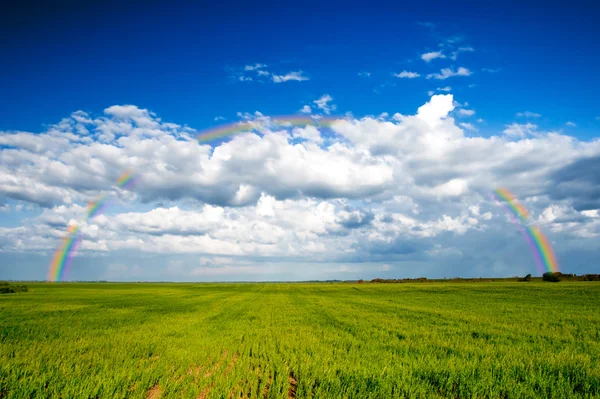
(258, 124)
(61, 261)
(539, 244)
(95, 207)
(127, 179)
(64, 254)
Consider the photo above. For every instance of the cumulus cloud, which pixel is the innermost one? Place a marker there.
(427, 57)
(323, 104)
(254, 67)
(407, 75)
(446, 73)
(297, 76)
(468, 126)
(520, 130)
(407, 190)
(260, 73)
(466, 112)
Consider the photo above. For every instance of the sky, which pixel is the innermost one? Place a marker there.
(434, 106)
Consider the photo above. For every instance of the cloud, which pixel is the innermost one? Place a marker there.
(447, 73)
(491, 70)
(579, 182)
(466, 112)
(520, 130)
(254, 67)
(427, 57)
(591, 213)
(297, 76)
(410, 191)
(570, 124)
(406, 74)
(306, 109)
(219, 118)
(528, 114)
(468, 126)
(443, 89)
(259, 72)
(364, 74)
(323, 104)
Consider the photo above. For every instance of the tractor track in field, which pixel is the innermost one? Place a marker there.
(154, 393)
(293, 386)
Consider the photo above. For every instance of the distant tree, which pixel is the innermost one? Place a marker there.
(526, 278)
(552, 277)
(10, 289)
(591, 277)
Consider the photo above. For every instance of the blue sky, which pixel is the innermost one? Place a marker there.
(523, 92)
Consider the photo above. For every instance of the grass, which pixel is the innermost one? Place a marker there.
(475, 340)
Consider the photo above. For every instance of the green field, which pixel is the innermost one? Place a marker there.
(421, 340)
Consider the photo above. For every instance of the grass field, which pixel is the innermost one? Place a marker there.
(496, 340)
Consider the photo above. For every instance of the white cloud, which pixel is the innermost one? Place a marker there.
(491, 70)
(570, 124)
(306, 109)
(595, 213)
(447, 73)
(407, 74)
(245, 79)
(364, 74)
(446, 88)
(528, 114)
(468, 126)
(452, 188)
(427, 57)
(371, 189)
(290, 76)
(520, 130)
(219, 118)
(323, 104)
(254, 67)
(466, 112)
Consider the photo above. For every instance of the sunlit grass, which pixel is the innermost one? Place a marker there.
(301, 340)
